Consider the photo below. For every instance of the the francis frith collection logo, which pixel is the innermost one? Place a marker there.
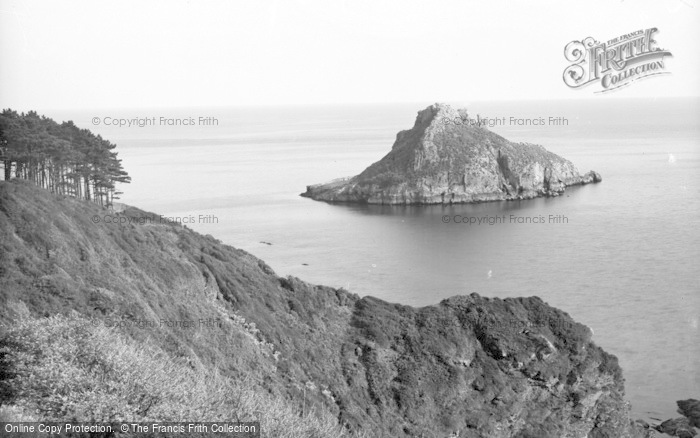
(615, 63)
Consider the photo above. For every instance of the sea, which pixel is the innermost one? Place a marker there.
(621, 256)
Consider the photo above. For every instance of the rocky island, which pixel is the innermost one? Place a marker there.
(448, 158)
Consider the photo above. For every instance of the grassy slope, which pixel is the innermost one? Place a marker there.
(470, 364)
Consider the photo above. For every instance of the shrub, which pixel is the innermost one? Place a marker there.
(67, 369)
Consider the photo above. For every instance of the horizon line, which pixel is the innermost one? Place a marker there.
(337, 104)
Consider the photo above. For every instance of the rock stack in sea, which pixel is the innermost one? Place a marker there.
(448, 158)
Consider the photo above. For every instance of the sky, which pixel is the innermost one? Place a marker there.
(154, 54)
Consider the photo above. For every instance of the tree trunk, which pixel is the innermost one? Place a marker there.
(8, 169)
(87, 188)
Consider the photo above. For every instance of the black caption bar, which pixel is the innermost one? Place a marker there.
(142, 429)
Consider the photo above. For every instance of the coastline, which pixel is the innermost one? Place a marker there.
(475, 348)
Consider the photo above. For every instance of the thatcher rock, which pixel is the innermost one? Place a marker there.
(449, 158)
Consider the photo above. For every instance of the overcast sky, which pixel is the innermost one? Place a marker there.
(132, 54)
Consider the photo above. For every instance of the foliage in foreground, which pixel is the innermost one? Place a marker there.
(67, 369)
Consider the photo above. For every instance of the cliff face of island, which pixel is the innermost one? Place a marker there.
(448, 158)
(316, 361)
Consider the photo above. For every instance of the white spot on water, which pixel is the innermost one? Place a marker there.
(671, 158)
(489, 274)
(373, 265)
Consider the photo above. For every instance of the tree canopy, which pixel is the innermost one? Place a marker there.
(60, 157)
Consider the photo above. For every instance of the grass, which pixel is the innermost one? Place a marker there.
(64, 368)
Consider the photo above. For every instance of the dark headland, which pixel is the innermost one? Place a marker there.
(447, 157)
(93, 313)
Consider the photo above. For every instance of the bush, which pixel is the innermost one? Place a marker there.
(67, 369)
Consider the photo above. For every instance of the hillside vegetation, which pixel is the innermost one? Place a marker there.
(89, 312)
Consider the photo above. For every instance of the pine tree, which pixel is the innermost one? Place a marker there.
(61, 158)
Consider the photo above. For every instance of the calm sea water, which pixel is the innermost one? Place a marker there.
(625, 263)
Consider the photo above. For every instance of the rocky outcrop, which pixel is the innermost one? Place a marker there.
(469, 366)
(691, 410)
(683, 427)
(479, 367)
(678, 427)
(440, 161)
